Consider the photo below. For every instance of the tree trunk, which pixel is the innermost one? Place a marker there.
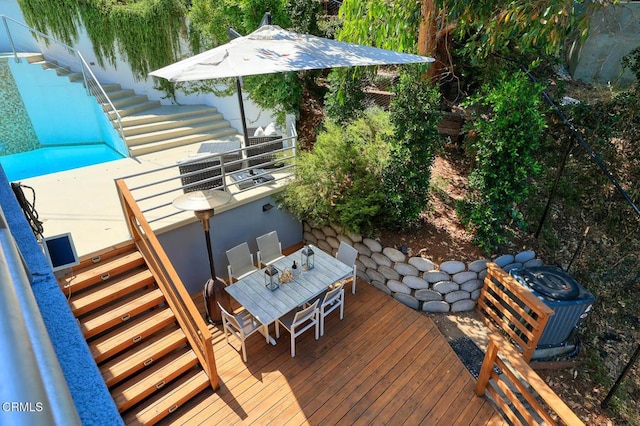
(427, 35)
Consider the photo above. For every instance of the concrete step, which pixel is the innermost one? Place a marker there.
(127, 101)
(167, 112)
(174, 132)
(32, 57)
(119, 94)
(168, 124)
(111, 87)
(143, 105)
(185, 140)
(61, 70)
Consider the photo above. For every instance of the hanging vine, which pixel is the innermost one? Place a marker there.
(146, 33)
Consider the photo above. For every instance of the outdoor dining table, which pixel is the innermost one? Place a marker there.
(269, 305)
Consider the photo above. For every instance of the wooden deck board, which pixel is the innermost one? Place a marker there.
(343, 377)
(383, 363)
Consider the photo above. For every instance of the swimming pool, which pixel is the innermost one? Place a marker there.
(39, 134)
(43, 161)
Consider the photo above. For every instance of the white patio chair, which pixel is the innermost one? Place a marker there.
(240, 262)
(240, 325)
(269, 248)
(297, 322)
(329, 302)
(348, 255)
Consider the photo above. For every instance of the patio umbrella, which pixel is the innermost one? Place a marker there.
(270, 49)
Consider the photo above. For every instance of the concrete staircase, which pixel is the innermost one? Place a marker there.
(149, 126)
(142, 353)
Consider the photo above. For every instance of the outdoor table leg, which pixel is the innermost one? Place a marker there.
(264, 330)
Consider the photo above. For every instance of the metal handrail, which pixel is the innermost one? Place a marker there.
(91, 83)
(34, 390)
(152, 189)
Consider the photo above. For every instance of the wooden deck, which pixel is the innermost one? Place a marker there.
(383, 364)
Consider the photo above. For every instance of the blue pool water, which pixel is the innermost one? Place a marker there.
(43, 161)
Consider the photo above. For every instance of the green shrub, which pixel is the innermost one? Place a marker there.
(415, 114)
(340, 180)
(631, 62)
(509, 122)
(345, 98)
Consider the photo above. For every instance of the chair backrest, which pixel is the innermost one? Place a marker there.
(305, 314)
(333, 294)
(269, 247)
(230, 318)
(347, 254)
(240, 257)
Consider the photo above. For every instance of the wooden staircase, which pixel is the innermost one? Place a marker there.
(142, 353)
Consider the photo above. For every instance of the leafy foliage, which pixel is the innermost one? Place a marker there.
(509, 123)
(340, 180)
(517, 26)
(281, 92)
(415, 114)
(210, 20)
(304, 16)
(388, 25)
(631, 61)
(345, 98)
(463, 35)
(145, 32)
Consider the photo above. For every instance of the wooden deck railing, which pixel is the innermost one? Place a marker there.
(510, 309)
(538, 403)
(170, 284)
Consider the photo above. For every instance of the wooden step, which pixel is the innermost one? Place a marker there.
(103, 256)
(152, 379)
(101, 272)
(165, 403)
(104, 319)
(115, 288)
(130, 333)
(141, 356)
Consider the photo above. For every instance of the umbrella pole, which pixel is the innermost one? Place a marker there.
(242, 115)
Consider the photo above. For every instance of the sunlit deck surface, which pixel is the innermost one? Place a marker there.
(383, 364)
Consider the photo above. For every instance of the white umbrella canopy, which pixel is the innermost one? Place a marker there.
(270, 49)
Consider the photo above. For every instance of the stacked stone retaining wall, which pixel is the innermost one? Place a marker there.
(451, 286)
